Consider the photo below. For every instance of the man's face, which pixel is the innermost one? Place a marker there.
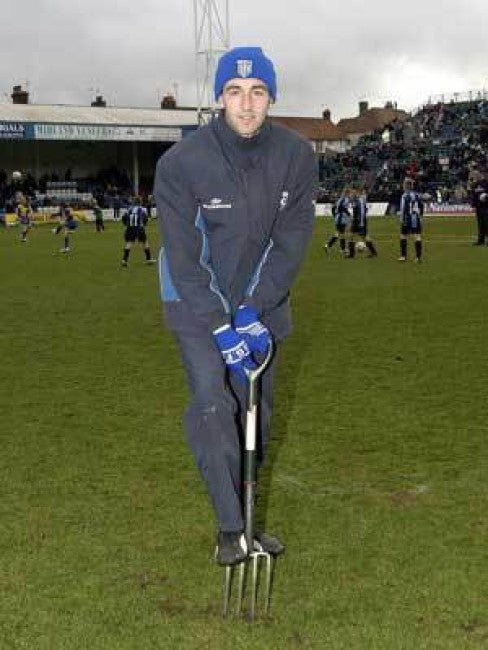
(246, 103)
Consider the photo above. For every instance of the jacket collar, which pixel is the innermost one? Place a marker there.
(241, 148)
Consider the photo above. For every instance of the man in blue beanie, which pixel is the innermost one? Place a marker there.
(245, 69)
(235, 205)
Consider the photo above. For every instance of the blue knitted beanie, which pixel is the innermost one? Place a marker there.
(245, 62)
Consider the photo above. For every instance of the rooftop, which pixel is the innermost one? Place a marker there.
(312, 128)
(372, 119)
(66, 114)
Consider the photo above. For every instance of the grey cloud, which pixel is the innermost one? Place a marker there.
(327, 54)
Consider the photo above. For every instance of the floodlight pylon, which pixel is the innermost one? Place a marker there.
(211, 22)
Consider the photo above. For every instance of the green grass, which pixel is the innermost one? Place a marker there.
(376, 477)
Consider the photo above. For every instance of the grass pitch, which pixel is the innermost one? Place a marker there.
(376, 477)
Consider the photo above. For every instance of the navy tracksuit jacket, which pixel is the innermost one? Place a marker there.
(236, 215)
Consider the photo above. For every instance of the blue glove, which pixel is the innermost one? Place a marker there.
(247, 325)
(235, 351)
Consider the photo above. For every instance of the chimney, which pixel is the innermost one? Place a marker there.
(363, 107)
(326, 114)
(19, 96)
(99, 101)
(168, 101)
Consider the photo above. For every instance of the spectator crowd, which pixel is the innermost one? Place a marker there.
(441, 147)
(110, 188)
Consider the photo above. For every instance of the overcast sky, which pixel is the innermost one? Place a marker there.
(327, 54)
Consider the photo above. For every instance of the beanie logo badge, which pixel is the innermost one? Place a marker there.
(244, 67)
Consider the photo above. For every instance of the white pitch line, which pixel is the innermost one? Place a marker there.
(292, 482)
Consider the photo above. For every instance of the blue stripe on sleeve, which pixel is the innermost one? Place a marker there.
(205, 262)
(167, 288)
(257, 274)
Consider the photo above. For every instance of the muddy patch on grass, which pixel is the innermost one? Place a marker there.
(145, 579)
(170, 607)
(408, 497)
(476, 629)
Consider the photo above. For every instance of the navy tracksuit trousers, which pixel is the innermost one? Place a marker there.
(214, 423)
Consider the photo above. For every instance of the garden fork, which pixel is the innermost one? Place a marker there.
(256, 557)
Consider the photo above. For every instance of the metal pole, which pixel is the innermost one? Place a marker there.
(211, 33)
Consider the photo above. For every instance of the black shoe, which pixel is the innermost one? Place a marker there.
(231, 548)
(478, 243)
(268, 544)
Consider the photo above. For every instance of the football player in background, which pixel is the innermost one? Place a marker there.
(98, 212)
(411, 211)
(24, 215)
(67, 225)
(135, 220)
(359, 223)
(479, 201)
(342, 216)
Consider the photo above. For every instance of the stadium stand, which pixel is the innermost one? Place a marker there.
(440, 146)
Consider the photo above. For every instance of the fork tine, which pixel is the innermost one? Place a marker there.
(227, 589)
(240, 587)
(267, 594)
(254, 585)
